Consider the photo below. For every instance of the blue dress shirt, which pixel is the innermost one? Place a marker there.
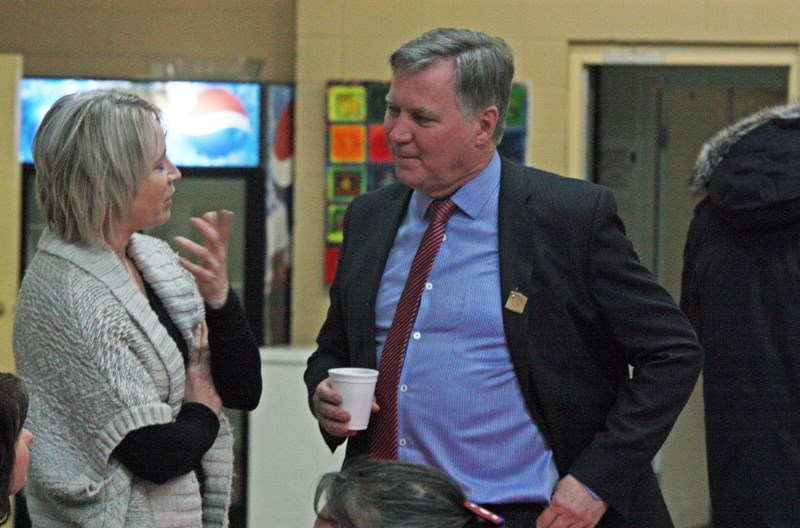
(460, 407)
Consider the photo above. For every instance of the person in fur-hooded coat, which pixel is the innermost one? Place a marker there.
(741, 291)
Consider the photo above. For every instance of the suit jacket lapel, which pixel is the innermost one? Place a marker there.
(379, 237)
(515, 242)
(519, 252)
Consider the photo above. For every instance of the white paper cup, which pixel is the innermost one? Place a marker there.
(357, 387)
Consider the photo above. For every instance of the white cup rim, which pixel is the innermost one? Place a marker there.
(356, 372)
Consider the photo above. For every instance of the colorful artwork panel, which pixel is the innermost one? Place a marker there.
(347, 103)
(378, 144)
(331, 259)
(515, 135)
(376, 101)
(345, 183)
(380, 175)
(512, 146)
(335, 217)
(517, 115)
(348, 143)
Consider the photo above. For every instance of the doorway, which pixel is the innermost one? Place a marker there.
(649, 124)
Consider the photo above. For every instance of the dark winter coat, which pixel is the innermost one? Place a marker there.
(741, 290)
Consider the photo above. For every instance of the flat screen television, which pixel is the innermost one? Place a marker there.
(208, 124)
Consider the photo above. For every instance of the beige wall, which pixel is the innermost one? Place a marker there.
(122, 38)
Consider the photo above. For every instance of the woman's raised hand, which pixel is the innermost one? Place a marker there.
(211, 268)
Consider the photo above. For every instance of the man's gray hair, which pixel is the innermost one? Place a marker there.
(483, 65)
(391, 494)
(90, 153)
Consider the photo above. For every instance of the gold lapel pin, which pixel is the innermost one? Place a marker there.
(516, 302)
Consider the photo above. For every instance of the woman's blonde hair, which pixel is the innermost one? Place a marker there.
(90, 153)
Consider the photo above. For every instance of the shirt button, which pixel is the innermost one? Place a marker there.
(417, 335)
(444, 237)
(402, 442)
(403, 388)
(428, 286)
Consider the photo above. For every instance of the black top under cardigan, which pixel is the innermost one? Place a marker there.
(235, 368)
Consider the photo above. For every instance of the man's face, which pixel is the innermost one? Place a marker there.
(436, 149)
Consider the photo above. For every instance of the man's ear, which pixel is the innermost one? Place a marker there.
(486, 123)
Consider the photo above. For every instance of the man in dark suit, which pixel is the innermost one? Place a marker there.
(516, 376)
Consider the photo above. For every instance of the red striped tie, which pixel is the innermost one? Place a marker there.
(384, 423)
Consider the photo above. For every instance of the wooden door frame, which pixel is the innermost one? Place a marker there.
(10, 201)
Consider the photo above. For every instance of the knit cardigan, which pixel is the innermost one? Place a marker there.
(98, 364)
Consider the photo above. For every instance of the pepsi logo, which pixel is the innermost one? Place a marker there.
(218, 123)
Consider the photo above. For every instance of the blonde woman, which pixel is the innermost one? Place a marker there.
(129, 353)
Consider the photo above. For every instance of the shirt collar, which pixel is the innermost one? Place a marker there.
(472, 196)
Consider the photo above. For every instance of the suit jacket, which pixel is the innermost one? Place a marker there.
(592, 311)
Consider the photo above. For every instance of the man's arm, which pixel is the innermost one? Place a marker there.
(656, 340)
(332, 352)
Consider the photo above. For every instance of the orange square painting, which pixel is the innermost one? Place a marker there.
(348, 144)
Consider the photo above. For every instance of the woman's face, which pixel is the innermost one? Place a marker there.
(22, 458)
(153, 200)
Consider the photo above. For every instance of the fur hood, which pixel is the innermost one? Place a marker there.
(751, 170)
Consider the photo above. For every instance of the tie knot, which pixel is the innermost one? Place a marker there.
(440, 210)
